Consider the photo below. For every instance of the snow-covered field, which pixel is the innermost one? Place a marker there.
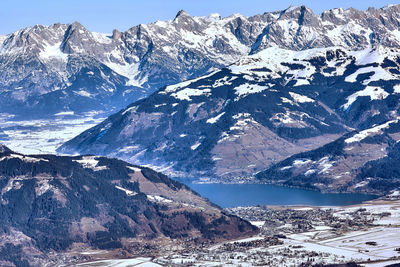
(43, 136)
(138, 262)
(353, 246)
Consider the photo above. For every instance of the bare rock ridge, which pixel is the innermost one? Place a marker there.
(65, 67)
(53, 209)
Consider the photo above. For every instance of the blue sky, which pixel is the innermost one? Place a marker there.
(104, 16)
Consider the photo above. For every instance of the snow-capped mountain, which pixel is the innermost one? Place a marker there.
(65, 67)
(298, 28)
(56, 209)
(244, 118)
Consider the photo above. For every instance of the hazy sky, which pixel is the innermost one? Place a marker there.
(106, 15)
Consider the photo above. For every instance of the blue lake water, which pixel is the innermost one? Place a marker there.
(233, 195)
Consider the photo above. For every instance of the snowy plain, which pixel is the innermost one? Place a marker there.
(44, 136)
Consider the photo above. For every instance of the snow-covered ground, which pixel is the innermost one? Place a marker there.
(138, 262)
(43, 136)
(353, 245)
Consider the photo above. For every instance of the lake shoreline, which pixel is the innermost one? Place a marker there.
(254, 182)
(241, 195)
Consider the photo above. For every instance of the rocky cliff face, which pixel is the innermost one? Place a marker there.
(298, 28)
(240, 120)
(57, 208)
(49, 69)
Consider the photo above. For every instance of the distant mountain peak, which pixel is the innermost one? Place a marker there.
(116, 34)
(181, 14)
(77, 24)
(391, 6)
(295, 12)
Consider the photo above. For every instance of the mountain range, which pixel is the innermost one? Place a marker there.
(290, 98)
(236, 123)
(45, 70)
(54, 209)
(240, 120)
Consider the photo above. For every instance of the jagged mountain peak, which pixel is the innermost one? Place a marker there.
(32, 40)
(181, 14)
(76, 38)
(77, 24)
(302, 15)
(150, 56)
(184, 21)
(294, 10)
(116, 35)
(335, 15)
(297, 28)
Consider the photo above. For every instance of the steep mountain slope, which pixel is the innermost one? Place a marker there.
(57, 208)
(48, 69)
(365, 161)
(241, 119)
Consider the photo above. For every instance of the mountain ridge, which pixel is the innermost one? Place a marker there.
(360, 161)
(124, 66)
(55, 208)
(241, 119)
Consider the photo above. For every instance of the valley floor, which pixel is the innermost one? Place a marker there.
(367, 234)
(138, 262)
(43, 136)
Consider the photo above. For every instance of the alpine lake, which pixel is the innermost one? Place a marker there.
(234, 195)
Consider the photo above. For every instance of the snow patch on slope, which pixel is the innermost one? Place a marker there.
(102, 38)
(128, 192)
(90, 162)
(186, 93)
(374, 93)
(195, 146)
(379, 74)
(215, 119)
(24, 158)
(134, 169)
(130, 71)
(369, 132)
(396, 89)
(53, 52)
(247, 89)
(368, 56)
(154, 198)
(175, 87)
(300, 98)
